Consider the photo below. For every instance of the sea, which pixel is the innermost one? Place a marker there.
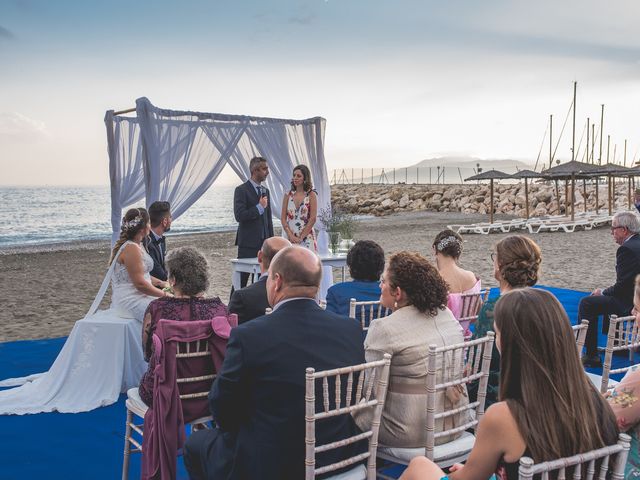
(45, 215)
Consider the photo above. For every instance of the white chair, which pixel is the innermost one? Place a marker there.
(474, 359)
(135, 405)
(471, 305)
(372, 310)
(622, 335)
(611, 460)
(361, 378)
(580, 332)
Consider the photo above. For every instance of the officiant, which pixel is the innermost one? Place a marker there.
(154, 243)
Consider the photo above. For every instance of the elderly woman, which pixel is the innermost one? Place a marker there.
(366, 263)
(447, 247)
(624, 400)
(416, 293)
(189, 278)
(516, 264)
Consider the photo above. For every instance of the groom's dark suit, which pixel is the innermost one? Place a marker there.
(156, 250)
(253, 228)
(257, 399)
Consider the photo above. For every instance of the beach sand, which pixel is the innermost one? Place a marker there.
(45, 290)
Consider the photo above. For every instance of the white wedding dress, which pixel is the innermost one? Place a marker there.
(101, 358)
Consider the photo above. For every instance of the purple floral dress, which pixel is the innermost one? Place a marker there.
(179, 309)
(297, 219)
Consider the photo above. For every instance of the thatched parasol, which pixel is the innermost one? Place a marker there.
(570, 171)
(489, 175)
(611, 170)
(526, 174)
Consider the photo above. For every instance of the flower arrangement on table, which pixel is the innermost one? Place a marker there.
(337, 223)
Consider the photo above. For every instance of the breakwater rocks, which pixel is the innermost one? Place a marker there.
(370, 199)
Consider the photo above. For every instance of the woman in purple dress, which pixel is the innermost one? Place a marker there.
(189, 279)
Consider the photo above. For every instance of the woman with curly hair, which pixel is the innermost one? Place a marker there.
(516, 264)
(300, 209)
(416, 293)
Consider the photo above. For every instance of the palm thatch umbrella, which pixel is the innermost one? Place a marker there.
(526, 174)
(489, 175)
(569, 171)
(611, 170)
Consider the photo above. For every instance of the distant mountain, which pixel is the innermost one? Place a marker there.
(470, 162)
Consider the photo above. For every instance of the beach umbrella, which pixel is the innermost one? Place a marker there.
(526, 174)
(569, 171)
(490, 175)
(611, 170)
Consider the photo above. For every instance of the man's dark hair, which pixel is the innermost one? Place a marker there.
(295, 273)
(366, 261)
(255, 162)
(157, 212)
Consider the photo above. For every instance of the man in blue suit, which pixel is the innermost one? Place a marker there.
(252, 211)
(257, 400)
(618, 298)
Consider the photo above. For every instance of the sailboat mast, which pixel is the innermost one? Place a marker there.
(573, 143)
(550, 141)
(601, 125)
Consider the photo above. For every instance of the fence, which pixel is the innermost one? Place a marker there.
(410, 175)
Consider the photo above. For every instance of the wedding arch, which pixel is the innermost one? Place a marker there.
(176, 156)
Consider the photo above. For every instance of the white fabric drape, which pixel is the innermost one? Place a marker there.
(177, 156)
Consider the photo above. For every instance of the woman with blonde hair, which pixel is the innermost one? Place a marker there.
(548, 408)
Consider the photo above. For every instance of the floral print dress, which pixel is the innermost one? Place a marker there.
(297, 219)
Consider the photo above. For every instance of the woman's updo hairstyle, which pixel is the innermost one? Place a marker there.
(135, 220)
(448, 243)
(425, 288)
(519, 260)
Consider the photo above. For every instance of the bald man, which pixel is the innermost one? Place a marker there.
(257, 399)
(251, 302)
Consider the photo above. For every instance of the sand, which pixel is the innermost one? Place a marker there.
(46, 289)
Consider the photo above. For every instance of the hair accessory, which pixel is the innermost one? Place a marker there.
(132, 224)
(445, 242)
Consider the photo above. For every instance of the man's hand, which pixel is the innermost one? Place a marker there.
(596, 292)
(264, 201)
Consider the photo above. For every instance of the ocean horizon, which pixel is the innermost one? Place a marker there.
(41, 215)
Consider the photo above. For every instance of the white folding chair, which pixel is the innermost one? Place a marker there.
(361, 378)
(622, 335)
(580, 331)
(472, 360)
(611, 459)
(471, 305)
(367, 309)
(135, 405)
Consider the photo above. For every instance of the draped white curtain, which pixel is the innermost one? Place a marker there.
(177, 155)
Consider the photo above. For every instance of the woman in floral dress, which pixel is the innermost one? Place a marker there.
(300, 209)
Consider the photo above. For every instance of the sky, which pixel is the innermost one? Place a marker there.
(397, 81)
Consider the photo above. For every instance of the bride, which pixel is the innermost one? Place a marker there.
(103, 353)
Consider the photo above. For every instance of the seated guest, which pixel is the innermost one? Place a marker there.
(366, 263)
(257, 400)
(624, 400)
(251, 301)
(538, 351)
(416, 293)
(447, 247)
(188, 274)
(154, 243)
(516, 264)
(618, 298)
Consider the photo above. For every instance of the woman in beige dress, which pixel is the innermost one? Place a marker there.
(416, 293)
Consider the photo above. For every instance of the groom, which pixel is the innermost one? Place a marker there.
(252, 210)
(160, 219)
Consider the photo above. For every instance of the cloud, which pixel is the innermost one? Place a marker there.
(306, 19)
(16, 126)
(6, 34)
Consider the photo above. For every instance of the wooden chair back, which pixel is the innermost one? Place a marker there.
(366, 387)
(612, 458)
(623, 335)
(367, 310)
(580, 332)
(469, 361)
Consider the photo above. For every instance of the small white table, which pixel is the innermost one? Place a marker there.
(251, 265)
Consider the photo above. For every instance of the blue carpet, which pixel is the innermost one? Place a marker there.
(89, 445)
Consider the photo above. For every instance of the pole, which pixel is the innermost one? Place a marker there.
(362, 175)
(608, 145)
(593, 141)
(566, 197)
(584, 191)
(352, 176)
(629, 194)
(526, 197)
(491, 204)
(557, 195)
(625, 153)
(573, 199)
(573, 144)
(597, 202)
(587, 149)
(550, 141)
(610, 192)
(601, 132)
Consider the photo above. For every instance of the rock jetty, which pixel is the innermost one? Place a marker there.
(378, 200)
